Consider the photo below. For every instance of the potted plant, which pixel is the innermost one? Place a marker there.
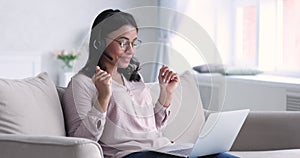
(68, 59)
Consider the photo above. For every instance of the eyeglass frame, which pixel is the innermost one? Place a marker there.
(125, 45)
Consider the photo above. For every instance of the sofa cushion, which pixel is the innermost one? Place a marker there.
(30, 106)
(187, 116)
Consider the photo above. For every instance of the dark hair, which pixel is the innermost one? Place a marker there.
(106, 22)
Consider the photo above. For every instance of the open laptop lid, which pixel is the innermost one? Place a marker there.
(219, 132)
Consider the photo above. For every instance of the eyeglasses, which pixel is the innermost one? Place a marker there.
(125, 44)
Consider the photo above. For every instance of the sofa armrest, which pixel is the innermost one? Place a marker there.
(267, 130)
(15, 146)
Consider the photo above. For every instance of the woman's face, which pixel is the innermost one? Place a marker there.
(119, 45)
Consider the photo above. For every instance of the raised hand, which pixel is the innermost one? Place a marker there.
(168, 81)
(102, 81)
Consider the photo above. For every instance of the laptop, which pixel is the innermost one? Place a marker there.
(217, 135)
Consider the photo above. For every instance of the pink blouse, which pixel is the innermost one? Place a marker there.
(133, 122)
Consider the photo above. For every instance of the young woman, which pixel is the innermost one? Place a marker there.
(107, 101)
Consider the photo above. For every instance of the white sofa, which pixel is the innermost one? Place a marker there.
(32, 123)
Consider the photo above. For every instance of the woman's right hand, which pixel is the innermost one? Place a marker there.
(102, 81)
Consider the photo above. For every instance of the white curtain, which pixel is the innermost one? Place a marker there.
(168, 20)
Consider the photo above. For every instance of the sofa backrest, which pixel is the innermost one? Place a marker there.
(30, 106)
(187, 115)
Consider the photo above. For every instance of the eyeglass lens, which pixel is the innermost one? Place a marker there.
(126, 44)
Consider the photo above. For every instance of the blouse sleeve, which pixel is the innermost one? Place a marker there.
(161, 115)
(82, 118)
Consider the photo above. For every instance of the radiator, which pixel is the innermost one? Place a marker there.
(257, 93)
(292, 100)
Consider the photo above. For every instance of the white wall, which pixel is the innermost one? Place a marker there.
(44, 26)
(41, 27)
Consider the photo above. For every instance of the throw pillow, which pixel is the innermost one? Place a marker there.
(30, 106)
(209, 68)
(241, 71)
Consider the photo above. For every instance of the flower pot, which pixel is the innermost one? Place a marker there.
(65, 78)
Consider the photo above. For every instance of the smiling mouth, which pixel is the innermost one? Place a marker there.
(126, 59)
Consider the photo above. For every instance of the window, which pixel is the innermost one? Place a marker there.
(291, 35)
(251, 33)
(266, 35)
(246, 39)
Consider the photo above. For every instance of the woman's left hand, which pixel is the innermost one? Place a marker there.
(168, 80)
